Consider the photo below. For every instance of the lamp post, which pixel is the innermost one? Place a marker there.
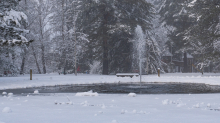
(140, 71)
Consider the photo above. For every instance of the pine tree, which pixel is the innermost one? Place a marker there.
(174, 16)
(110, 25)
(11, 22)
(203, 37)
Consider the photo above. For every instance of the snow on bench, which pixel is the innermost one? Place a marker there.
(127, 74)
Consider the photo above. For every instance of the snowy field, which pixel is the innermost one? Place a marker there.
(55, 79)
(91, 107)
(110, 108)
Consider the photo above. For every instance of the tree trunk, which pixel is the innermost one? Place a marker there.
(185, 63)
(23, 61)
(25, 50)
(105, 67)
(105, 58)
(42, 37)
(43, 59)
(35, 57)
(63, 36)
(64, 67)
(147, 64)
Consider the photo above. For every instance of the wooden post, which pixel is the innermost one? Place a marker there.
(158, 72)
(30, 74)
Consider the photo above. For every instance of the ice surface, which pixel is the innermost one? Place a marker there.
(44, 80)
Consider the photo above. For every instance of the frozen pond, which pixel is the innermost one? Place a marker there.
(40, 80)
(143, 88)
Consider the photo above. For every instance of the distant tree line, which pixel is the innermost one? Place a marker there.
(101, 36)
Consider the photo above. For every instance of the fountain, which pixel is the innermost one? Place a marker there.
(139, 48)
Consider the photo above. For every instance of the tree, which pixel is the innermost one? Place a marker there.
(110, 25)
(174, 16)
(39, 55)
(41, 31)
(203, 37)
(67, 39)
(12, 23)
(29, 55)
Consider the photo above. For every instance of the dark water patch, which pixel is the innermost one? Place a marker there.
(143, 88)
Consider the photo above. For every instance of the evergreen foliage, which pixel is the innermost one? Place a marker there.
(174, 15)
(110, 25)
(11, 22)
(99, 35)
(203, 37)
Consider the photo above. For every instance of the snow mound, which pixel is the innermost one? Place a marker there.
(6, 110)
(114, 121)
(85, 103)
(55, 102)
(87, 94)
(180, 105)
(197, 106)
(209, 105)
(132, 95)
(36, 92)
(4, 93)
(69, 103)
(134, 111)
(10, 94)
(122, 111)
(165, 102)
(103, 106)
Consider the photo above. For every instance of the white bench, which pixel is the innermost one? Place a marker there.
(127, 74)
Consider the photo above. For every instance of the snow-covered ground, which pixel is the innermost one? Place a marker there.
(55, 79)
(110, 108)
(88, 107)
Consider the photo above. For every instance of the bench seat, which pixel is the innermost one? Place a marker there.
(127, 74)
